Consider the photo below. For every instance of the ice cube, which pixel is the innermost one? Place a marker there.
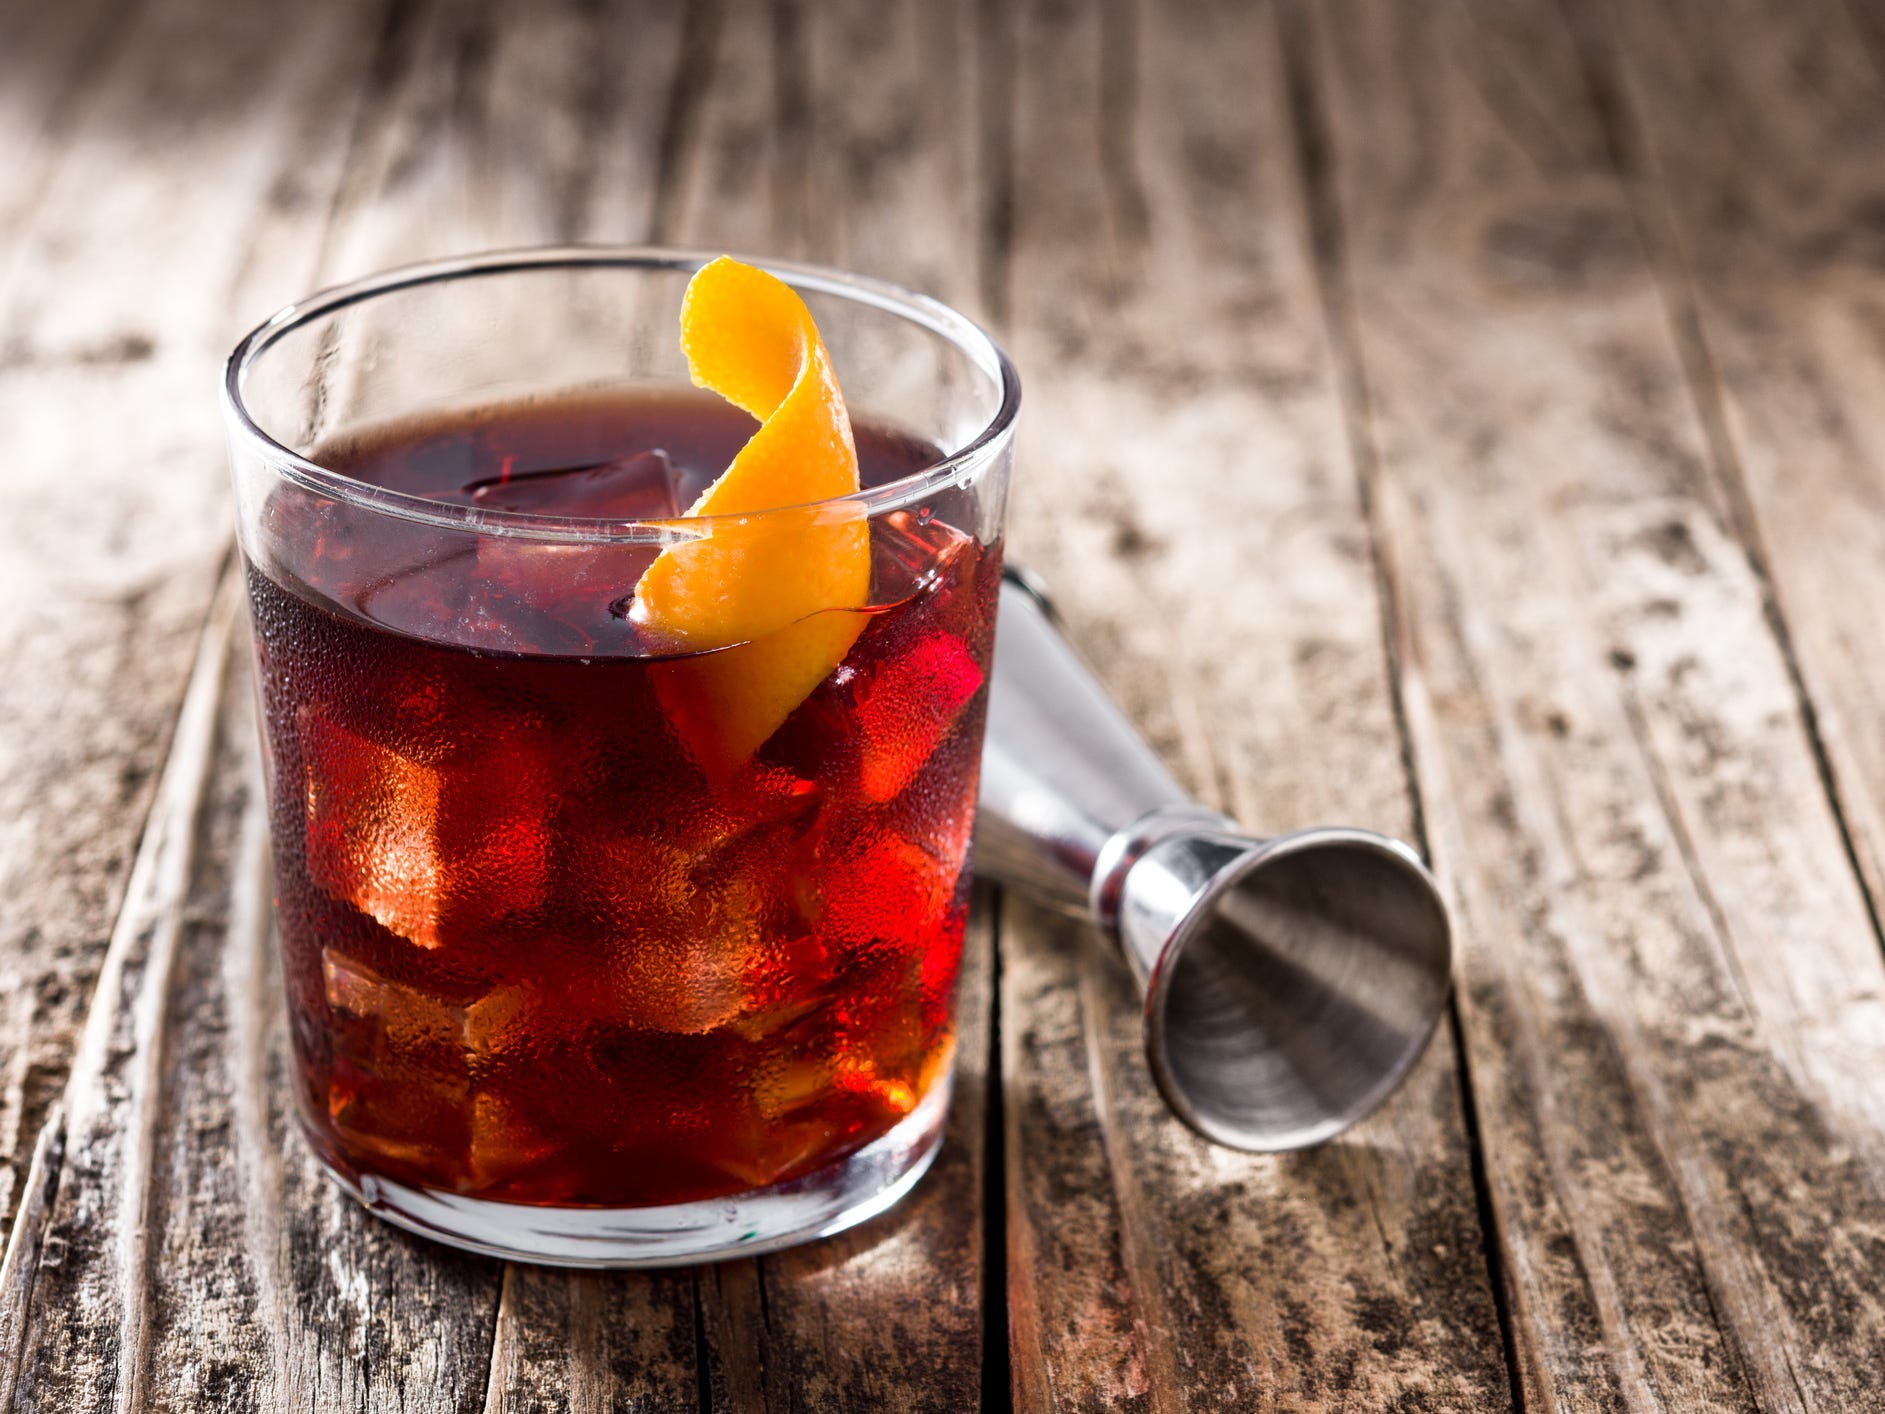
(888, 1031)
(745, 809)
(910, 550)
(906, 705)
(786, 981)
(791, 1121)
(507, 1140)
(684, 989)
(427, 850)
(892, 1062)
(778, 1150)
(372, 826)
(892, 908)
(421, 595)
(937, 809)
(679, 983)
(698, 917)
(495, 803)
(873, 886)
(687, 974)
(642, 485)
(398, 1085)
(801, 1080)
(528, 608)
(670, 955)
(846, 1076)
(575, 584)
(537, 596)
(613, 879)
(502, 1024)
(540, 1089)
(419, 1119)
(379, 1020)
(679, 892)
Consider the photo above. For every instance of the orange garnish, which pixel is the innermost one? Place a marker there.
(766, 583)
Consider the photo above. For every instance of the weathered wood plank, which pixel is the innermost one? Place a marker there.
(1670, 979)
(20, 1266)
(1185, 486)
(52, 51)
(857, 149)
(1755, 130)
(501, 133)
(589, 1342)
(88, 1327)
(1072, 1331)
(108, 430)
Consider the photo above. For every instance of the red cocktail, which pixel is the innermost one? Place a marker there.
(552, 945)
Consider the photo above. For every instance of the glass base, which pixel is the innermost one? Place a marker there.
(827, 1200)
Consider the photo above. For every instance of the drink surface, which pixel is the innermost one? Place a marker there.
(535, 952)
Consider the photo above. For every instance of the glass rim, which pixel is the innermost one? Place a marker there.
(932, 314)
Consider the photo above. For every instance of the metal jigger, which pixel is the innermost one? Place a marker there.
(1289, 983)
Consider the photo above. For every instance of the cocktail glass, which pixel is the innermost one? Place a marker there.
(569, 978)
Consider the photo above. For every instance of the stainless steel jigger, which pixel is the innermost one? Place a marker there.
(1289, 983)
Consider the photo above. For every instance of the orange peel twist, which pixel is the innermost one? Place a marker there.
(762, 584)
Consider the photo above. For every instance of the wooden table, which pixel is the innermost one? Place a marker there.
(1464, 419)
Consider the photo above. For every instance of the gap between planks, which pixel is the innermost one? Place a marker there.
(23, 1248)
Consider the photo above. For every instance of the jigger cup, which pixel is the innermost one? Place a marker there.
(1290, 983)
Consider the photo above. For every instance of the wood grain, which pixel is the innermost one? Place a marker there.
(489, 132)
(1486, 392)
(1185, 486)
(51, 52)
(593, 1342)
(90, 1319)
(108, 432)
(1670, 978)
(19, 1269)
(1752, 134)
